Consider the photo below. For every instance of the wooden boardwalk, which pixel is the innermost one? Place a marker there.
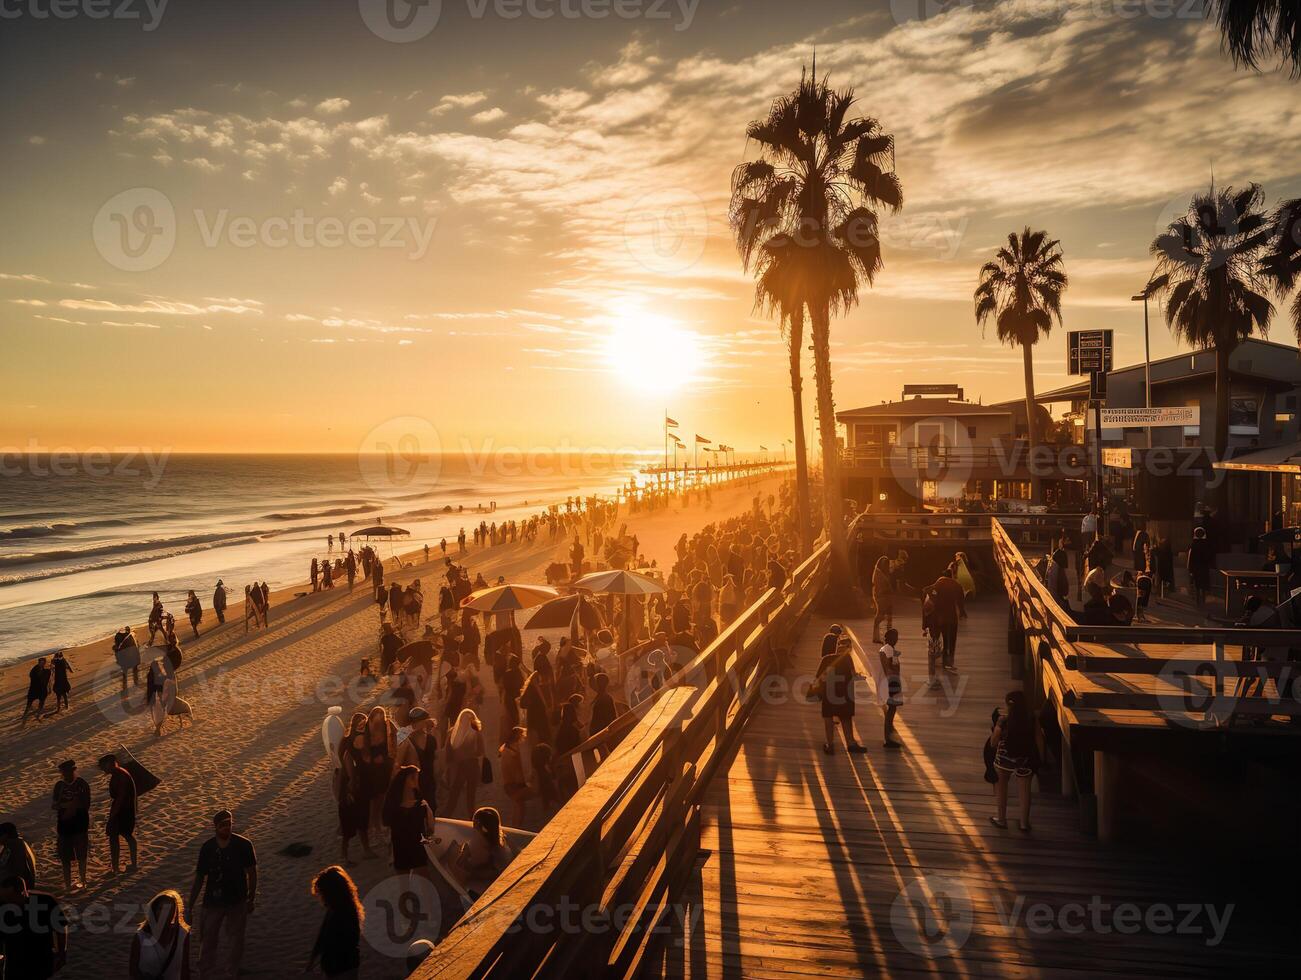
(886, 864)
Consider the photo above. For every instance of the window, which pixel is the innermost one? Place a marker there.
(971, 432)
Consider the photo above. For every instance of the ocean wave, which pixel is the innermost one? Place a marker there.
(122, 548)
(56, 528)
(308, 514)
(118, 559)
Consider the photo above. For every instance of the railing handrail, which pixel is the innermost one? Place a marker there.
(630, 835)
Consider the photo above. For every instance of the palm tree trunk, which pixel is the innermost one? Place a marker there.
(801, 451)
(840, 587)
(1031, 422)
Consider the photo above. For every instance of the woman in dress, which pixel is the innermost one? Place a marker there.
(61, 683)
(160, 948)
(835, 689)
(409, 820)
(377, 766)
(464, 760)
(194, 610)
(338, 942)
(354, 803)
(1015, 754)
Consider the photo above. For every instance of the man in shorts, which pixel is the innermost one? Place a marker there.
(71, 806)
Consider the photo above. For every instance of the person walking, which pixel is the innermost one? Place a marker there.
(420, 749)
(950, 605)
(227, 874)
(38, 688)
(194, 611)
(160, 948)
(1201, 559)
(121, 823)
(889, 655)
(352, 793)
(127, 654)
(71, 805)
(409, 819)
(834, 687)
(219, 602)
(337, 949)
(1015, 754)
(62, 686)
(464, 760)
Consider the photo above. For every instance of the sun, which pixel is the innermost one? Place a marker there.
(652, 353)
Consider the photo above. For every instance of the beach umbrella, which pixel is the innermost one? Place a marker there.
(567, 612)
(508, 598)
(618, 581)
(380, 531)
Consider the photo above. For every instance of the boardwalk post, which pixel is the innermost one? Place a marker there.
(1105, 784)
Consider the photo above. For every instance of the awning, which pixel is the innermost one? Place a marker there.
(1277, 459)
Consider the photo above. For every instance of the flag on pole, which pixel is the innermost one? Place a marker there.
(700, 438)
(670, 423)
(675, 438)
(764, 448)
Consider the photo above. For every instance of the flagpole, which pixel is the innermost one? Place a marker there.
(666, 440)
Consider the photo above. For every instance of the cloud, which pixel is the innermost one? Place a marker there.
(489, 115)
(331, 107)
(167, 307)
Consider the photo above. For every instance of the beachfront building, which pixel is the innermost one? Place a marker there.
(1169, 476)
(933, 449)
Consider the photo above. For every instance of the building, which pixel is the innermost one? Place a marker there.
(934, 448)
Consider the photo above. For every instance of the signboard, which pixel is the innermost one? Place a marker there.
(1088, 351)
(1120, 459)
(914, 390)
(1119, 418)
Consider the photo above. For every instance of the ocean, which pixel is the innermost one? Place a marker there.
(85, 539)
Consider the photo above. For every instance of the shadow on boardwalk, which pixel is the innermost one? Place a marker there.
(886, 863)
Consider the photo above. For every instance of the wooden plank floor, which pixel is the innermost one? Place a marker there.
(886, 864)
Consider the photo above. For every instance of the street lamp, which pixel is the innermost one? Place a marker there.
(1152, 286)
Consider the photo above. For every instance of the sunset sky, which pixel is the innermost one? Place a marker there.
(553, 191)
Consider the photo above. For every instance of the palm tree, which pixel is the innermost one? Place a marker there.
(1255, 30)
(1282, 263)
(1209, 266)
(811, 196)
(778, 291)
(1021, 288)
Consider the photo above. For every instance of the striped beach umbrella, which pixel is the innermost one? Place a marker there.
(617, 581)
(508, 598)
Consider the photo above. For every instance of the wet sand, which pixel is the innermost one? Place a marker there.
(255, 747)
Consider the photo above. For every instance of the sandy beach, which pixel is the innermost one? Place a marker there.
(255, 747)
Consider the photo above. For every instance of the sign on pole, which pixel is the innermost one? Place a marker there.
(1088, 351)
(1118, 458)
(1121, 418)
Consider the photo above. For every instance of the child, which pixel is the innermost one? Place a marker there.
(890, 667)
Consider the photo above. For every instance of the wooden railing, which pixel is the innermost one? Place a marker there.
(1037, 530)
(1072, 665)
(585, 897)
(1009, 459)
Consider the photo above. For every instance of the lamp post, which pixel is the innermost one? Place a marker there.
(1150, 288)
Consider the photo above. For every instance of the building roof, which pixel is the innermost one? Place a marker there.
(919, 408)
(1080, 390)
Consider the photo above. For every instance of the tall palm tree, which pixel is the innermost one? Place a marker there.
(1282, 263)
(812, 194)
(1257, 30)
(778, 291)
(1021, 289)
(1209, 266)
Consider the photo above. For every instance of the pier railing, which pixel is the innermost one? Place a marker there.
(586, 896)
(1189, 669)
